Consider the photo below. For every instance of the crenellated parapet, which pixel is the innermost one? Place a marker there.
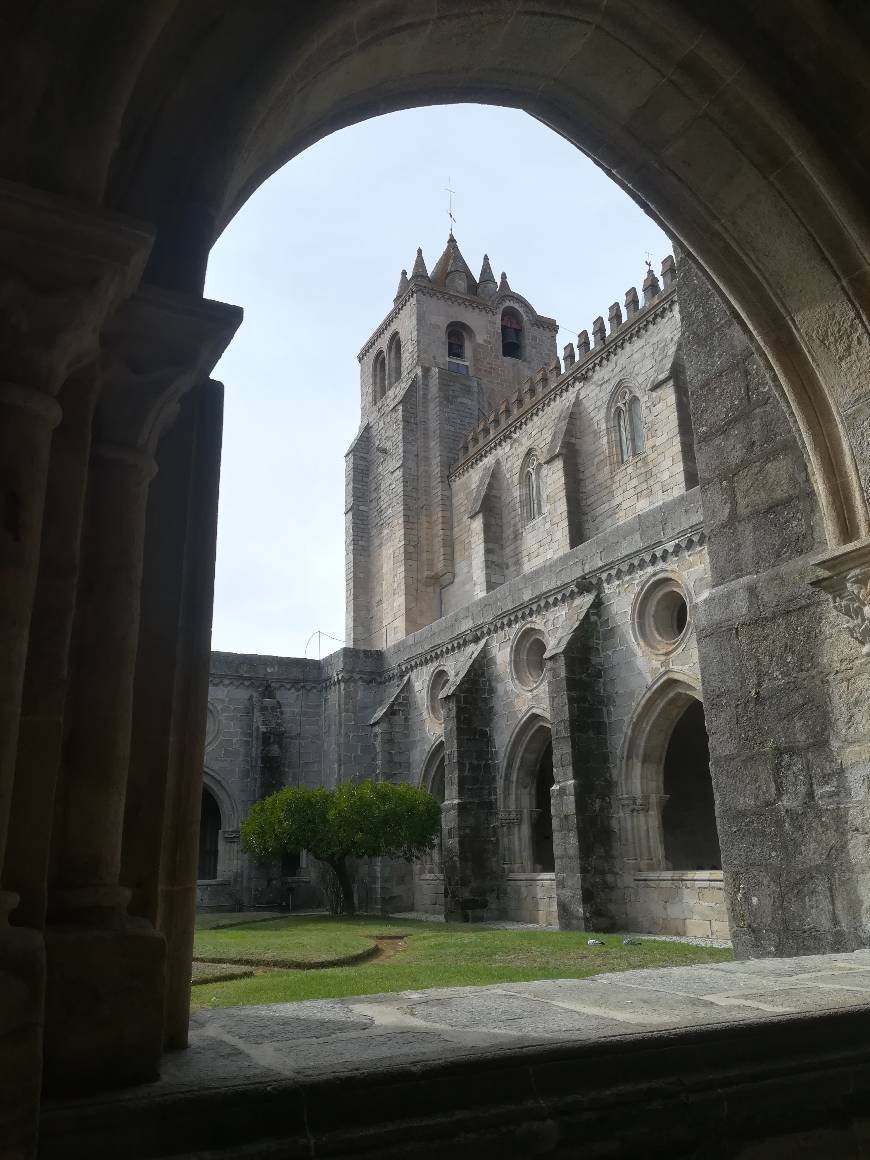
(550, 382)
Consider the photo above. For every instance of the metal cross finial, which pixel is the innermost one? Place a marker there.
(648, 260)
(450, 193)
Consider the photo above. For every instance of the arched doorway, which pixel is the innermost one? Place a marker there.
(429, 871)
(209, 837)
(528, 852)
(673, 867)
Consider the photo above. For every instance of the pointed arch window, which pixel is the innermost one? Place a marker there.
(379, 376)
(628, 429)
(394, 360)
(531, 488)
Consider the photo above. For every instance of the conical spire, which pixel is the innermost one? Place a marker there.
(403, 286)
(419, 270)
(486, 287)
(451, 270)
(503, 286)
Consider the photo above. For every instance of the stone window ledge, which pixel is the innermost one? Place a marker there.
(713, 877)
(430, 877)
(530, 877)
(213, 881)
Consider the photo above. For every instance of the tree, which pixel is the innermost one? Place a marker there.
(355, 820)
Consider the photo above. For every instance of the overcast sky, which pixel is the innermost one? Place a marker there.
(314, 258)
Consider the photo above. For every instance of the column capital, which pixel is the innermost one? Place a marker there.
(63, 268)
(848, 584)
(154, 349)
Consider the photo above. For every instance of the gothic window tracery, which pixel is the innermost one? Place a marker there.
(530, 483)
(628, 429)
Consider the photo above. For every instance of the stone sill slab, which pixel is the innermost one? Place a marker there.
(640, 1063)
(693, 877)
(530, 876)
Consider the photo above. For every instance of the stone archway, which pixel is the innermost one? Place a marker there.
(429, 873)
(528, 853)
(717, 118)
(673, 870)
(679, 108)
(218, 885)
(641, 766)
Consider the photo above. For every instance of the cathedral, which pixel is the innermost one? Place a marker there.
(525, 555)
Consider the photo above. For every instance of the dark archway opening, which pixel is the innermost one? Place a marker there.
(436, 788)
(542, 819)
(209, 835)
(689, 818)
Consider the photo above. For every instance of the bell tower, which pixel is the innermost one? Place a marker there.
(452, 347)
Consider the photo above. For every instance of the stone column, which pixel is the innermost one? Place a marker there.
(45, 685)
(180, 830)
(469, 814)
(98, 956)
(63, 269)
(582, 794)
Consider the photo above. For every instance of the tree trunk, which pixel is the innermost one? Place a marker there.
(343, 876)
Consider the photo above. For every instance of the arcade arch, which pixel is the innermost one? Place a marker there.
(666, 793)
(528, 813)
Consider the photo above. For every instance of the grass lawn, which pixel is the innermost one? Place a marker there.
(425, 954)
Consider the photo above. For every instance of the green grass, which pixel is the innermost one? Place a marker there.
(431, 955)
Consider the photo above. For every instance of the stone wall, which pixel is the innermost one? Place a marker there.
(788, 725)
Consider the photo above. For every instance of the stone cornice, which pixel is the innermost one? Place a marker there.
(595, 581)
(502, 431)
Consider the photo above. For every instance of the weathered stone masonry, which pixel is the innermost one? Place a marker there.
(502, 534)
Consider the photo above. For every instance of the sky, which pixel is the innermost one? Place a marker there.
(314, 258)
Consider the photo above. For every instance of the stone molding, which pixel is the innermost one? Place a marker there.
(64, 267)
(628, 332)
(590, 583)
(154, 349)
(848, 586)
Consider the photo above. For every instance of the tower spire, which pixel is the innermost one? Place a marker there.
(403, 286)
(419, 270)
(486, 285)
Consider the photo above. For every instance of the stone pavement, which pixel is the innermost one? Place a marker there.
(323, 1037)
(731, 1061)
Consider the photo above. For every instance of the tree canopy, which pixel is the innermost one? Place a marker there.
(355, 820)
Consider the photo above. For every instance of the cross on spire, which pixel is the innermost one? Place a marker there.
(450, 192)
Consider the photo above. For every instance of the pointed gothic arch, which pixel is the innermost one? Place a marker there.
(394, 360)
(528, 779)
(643, 768)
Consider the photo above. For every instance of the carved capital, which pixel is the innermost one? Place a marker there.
(63, 269)
(848, 584)
(156, 347)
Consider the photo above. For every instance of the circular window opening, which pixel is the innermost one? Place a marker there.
(437, 684)
(661, 616)
(528, 657)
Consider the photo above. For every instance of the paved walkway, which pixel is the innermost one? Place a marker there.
(327, 1037)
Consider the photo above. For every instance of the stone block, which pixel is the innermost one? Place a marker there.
(103, 1007)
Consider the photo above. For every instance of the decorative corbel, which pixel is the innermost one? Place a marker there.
(848, 584)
